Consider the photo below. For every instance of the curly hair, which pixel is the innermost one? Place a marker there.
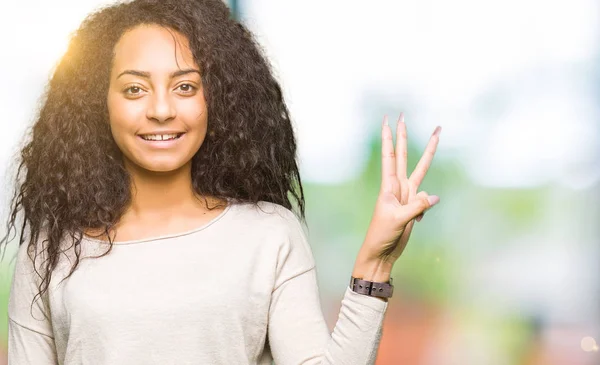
(75, 178)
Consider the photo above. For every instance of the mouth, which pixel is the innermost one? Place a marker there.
(160, 138)
(158, 141)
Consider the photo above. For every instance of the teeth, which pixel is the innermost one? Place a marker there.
(159, 137)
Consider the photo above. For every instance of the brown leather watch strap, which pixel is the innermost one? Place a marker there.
(372, 288)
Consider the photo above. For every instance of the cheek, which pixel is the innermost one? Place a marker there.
(194, 114)
(124, 115)
(197, 123)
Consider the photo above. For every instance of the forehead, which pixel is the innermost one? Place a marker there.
(152, 48)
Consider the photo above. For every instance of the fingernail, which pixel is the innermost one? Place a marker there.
(419, 217)
(401, 118)
(437, 131)
(433, 199)
(385, 120)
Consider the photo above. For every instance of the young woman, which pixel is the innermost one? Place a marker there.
(157, 206)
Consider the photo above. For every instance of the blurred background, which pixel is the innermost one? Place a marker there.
(505, 269)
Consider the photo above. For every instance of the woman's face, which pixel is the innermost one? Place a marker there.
(155, 92)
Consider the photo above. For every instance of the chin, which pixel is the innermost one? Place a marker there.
(159, 166)
(164, 167)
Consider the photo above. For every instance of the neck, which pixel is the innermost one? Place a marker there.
(162, 194)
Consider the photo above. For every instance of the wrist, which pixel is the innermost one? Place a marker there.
(370, 267)
(372, 270)
(382, 291)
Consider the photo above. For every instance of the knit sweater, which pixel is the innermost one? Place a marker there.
(240, 289)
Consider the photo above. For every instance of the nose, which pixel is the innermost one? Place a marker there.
(161, 107)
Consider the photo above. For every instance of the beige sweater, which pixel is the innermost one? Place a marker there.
(241, 289)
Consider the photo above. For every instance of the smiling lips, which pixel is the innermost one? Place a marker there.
(161, 141)
(161, 137)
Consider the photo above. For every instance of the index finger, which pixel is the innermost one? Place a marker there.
(423, 166)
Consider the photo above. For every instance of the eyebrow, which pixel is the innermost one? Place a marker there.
(147, 74)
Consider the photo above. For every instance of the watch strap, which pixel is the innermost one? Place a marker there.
(372, 288)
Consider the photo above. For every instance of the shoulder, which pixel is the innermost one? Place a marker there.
(268, 215)
(275, 232)
(270, 222)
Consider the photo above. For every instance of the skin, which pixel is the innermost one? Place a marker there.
(398, 204)
(163, 200)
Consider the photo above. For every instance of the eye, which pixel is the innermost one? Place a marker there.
(187, 88)
(133, 90)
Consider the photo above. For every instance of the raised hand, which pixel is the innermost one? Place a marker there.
(398, 203)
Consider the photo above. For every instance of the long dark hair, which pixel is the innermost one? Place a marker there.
(75, 178)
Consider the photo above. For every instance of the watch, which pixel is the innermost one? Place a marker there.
(372, 288)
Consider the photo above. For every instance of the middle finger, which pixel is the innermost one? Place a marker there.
(401, 149)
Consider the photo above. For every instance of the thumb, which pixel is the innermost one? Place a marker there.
(420, 203)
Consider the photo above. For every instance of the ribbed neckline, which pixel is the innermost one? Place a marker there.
(167, 236)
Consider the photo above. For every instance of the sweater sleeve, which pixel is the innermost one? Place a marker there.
(30, 336)
(297, 331)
